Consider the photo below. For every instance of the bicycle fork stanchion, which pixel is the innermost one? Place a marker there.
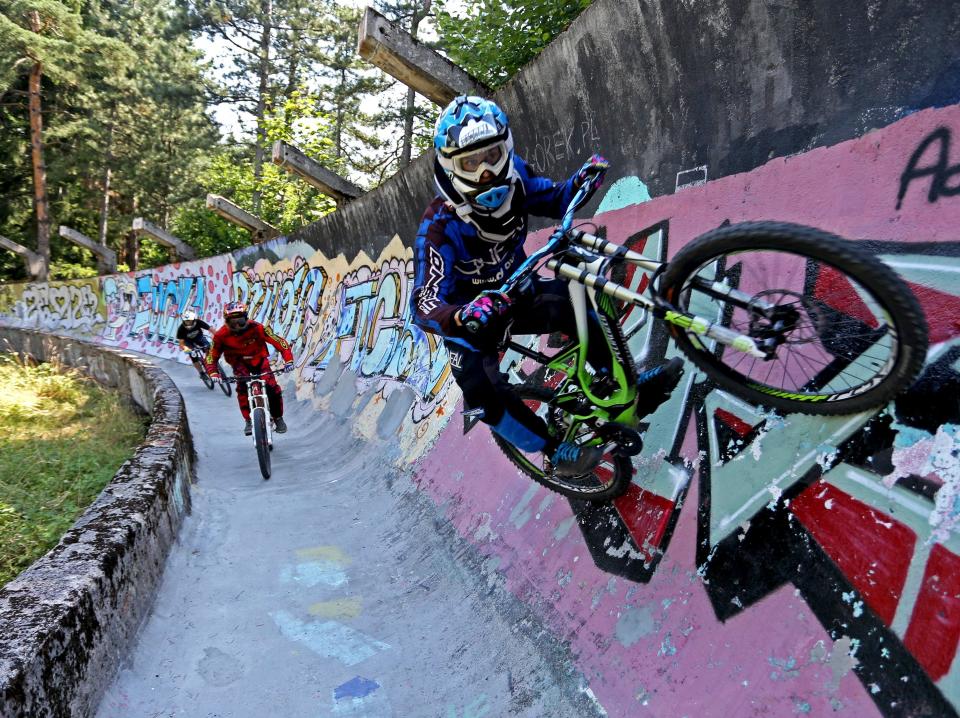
(697, 325)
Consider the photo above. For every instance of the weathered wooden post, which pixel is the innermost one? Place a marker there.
(260, 231)
(399, 54)
(180, 248)
(295, 162)
(106, 257)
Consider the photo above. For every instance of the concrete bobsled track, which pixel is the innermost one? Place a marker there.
(336, 588)
(759, 565)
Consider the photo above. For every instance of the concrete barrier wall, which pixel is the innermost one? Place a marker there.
(68, 619)
(814, 565)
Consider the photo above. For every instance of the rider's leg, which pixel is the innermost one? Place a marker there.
(239, 370)
(546, 308)
(484, 387)
(478, 375)
(275, 400)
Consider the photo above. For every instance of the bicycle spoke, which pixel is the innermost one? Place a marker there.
(826, 320)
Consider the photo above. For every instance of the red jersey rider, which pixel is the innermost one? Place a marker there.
(243, 343)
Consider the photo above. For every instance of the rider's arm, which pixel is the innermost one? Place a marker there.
(278, 343)
(181, 335)
(545, 198)
(212, 359)
(433, 280)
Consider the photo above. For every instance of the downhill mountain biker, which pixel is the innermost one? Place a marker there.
(243, 343)
(191, 336)
(470, 239)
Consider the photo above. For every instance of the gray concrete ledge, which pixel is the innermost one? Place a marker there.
(68, 620)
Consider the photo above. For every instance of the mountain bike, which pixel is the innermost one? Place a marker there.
(259, 415)
(784, 316)
(197, 356)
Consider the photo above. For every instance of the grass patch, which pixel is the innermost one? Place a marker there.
(62, 438)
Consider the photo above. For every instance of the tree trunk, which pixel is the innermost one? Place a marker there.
(411, 95)
(266, 9)
(105, 204)
(132, 250)
(41, 201)
(338, 127)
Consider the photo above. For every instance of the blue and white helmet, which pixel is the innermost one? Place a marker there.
(474, 168)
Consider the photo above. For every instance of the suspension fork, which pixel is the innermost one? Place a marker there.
(658, 306)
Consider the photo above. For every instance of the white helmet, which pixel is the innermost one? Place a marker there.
(474, 168)
(189, 317)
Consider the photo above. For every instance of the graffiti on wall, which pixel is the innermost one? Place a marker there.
(367, 328)
(73, 305)
(860, 513)
(287, 300)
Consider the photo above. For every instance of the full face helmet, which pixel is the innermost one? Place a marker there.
(474, 168)
(189, 318)
(235, 316)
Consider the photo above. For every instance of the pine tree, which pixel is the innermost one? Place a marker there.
(46, 39)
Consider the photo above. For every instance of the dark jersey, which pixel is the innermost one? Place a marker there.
(453, 265)
(193, 336)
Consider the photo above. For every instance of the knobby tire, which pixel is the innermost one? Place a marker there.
(886, 288)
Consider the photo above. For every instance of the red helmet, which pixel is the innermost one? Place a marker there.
(232, 309)
(235, 316)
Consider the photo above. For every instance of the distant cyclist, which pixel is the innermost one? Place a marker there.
(470, 240)
(243, 344)
(191, 336)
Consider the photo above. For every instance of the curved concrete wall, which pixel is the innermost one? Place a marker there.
(68, 618)
(759, 563)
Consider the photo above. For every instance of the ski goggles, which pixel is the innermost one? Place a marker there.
(237, 322)
(471, 165)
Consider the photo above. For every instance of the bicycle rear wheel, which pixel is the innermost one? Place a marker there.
(842, 332)
(609, 480)
(260, 438)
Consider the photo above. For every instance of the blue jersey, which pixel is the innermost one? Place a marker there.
(452, 264)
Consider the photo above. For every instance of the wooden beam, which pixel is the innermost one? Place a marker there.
(259, 229)
(295, 162)
(33, 260)
(399, 54)
(106, 257)
(161, 236)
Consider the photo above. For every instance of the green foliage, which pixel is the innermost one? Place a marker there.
(62, 438)
(70, 270)
(128, 96)
(492, 39)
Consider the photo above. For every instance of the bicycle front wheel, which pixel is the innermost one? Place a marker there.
(205, 378)
(842, 332)
(225, 386)
(260, 438)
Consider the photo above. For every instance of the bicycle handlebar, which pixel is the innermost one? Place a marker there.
(556, 239)
(234, 379)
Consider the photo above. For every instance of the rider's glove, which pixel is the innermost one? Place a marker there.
(596, 166)
(288, 366)
(482, 310)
